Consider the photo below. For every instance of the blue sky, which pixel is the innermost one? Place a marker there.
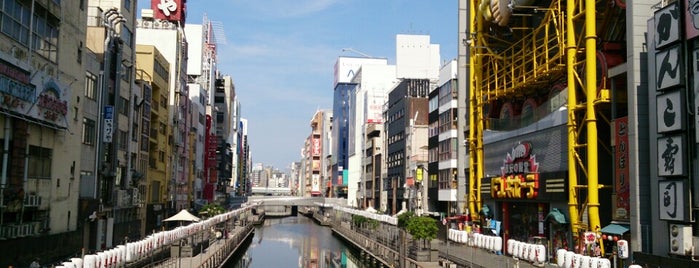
(280, 54)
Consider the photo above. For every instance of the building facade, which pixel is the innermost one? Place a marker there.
(153, 70)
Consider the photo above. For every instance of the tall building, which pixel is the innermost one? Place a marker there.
(374, 80)
(153, 70)
(405, 142)
(314, 156)
(109, 192)
(243, 184)
(164, 30)
(225, 120)
(42, 77)
(344, 93)
(443, 142)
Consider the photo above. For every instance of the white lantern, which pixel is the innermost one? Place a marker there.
(560, 257)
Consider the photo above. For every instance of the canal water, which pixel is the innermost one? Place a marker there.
(295, 242)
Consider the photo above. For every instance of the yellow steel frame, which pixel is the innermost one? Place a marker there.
(515, 71)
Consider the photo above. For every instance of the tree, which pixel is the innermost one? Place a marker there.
(210, 210)
(404, 218)
(422, 228)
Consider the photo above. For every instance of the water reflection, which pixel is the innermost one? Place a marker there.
(295, 242)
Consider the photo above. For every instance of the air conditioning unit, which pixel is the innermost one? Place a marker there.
(680, 239)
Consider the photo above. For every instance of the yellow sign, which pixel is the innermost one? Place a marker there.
(418, 174)
(518, 186)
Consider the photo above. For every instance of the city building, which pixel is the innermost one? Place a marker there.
(343, 99)
(163, 29)
(406, 143)
(313, 156)
(374, 80)
(152, 69)
(244, 159)
(42, 77)
(109, 195)
(443, 142)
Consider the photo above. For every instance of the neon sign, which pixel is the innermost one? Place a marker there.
(515, 186)
(519, 178)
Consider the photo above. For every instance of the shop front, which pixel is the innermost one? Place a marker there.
(528, 202)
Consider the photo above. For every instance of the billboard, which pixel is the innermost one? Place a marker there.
(40, 96)
(108, 123)
(315, 147)
(621, 169)
(169, 10)
(346, 68)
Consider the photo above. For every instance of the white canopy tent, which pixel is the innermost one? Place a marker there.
(183, 215)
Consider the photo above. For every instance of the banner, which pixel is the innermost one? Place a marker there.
(621, 169)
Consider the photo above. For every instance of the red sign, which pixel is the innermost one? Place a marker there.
(315, 149)
(170, 10)
(621, 168)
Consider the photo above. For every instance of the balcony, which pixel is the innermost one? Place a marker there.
(12, 231)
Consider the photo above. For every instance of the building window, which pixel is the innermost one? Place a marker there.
(39, 162)
(123, 140)
(127, 36)
(127, 4)
(88, 131)
(45, 37)
(90, 85)
(123, 106)
(80, 53)
(15, 20)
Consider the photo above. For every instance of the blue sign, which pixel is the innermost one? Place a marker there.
(108, 123)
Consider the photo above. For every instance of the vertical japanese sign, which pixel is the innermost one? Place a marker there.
(621, 169)
(691, 18)
(108, 123)
(316, 147)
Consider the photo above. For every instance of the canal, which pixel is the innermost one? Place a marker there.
(295, 242)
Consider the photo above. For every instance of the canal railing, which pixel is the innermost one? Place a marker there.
(379, 251)
(162, 248)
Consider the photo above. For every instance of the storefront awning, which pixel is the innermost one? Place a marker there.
(615, 229)
(556, 216)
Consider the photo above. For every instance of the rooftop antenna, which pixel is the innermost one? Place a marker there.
(358, 52)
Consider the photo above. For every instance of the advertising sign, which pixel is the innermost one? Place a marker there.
(621, 169)
(315, 147)
(519, 175)
(38, 96)
(673, 200)
(170, 10)
(108, 123)
(671, 155)
(691, 18)
(315, 184)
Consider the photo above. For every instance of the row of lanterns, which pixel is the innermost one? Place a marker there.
(133, 251)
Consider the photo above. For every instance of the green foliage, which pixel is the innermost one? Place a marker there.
(422, 228)
(404, 218)
(210, 210)
(358, 220)
(373, 224)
